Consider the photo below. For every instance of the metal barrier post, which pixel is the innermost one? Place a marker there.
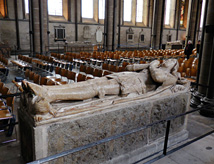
(166, 137)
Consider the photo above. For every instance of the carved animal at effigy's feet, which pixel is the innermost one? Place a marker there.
(150, 79)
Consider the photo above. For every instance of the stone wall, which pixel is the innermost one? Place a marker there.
(8, 29)
(72, 131)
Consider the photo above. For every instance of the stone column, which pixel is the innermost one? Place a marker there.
(157, 24)
(206, 77)
(192, 20)
(111, 24)
(39, 25)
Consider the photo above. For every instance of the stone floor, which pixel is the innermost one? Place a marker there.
(200, 152)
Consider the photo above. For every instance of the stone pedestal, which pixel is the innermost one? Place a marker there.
(56, 135)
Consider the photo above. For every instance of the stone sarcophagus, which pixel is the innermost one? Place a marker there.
(51, 125)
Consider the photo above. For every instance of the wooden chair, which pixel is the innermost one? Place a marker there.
(6, 113)
(121, 69)
(58, 70)
(112, 68)
(95, 72)
(183, 74)
(187, 72)
(89, 70)
(81, 77)
(82, 68)
(70, 59)
(71, 75)
(36, 78)
(1, 85)
(64, 72)
(27, 73)
(181, 68)
(10, 102)
(105, 66)
(31, 75)
(43, 81)
(19, 57)
(4, 90)
(193, 71)
(125, 64)
(19, 87)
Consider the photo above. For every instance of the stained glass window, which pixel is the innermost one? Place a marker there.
(182, 13)
(2, 8)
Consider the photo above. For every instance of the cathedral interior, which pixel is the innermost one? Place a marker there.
(107, 81)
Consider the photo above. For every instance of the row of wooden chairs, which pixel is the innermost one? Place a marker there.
(90, 73)
(62, 57)
(188, 68)
(25, 58)
(45, 58)
(126, 54)
(6, 111)
(3, 60)
(70, 75)
(62, 62)
(114, 68)
(93, 71)
(9, 101)
(38, 79)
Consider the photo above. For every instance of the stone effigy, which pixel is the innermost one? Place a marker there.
(151, 77)
(57, 118)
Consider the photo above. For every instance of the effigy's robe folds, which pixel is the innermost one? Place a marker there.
(54, 119)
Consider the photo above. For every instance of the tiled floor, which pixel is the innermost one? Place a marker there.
(200, 152)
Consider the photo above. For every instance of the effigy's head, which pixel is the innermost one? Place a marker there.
(170, 63)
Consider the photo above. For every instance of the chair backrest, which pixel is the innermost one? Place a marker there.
(181, 68)
(193, 71)
(10, 101)
(4, 90)
(71, 75)
(36, 78)
(95, 72)
(82, 68)
(1, 86)
(18, 86)
(43, 81)
(64, 72)
(121, 69)
(89, 70)
(27, 72)
(57, 70)
(112, 68)
(31, 75)
(125, 64)
(105, 66)
(81, 77)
